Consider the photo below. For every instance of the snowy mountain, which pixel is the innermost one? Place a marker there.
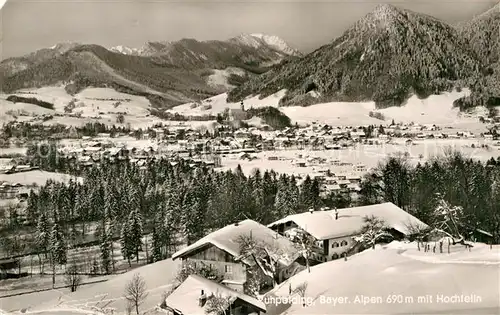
(384, 57)
(125, 50)
(257, 49)
(168, 73)
(262, 40)
(483, 34)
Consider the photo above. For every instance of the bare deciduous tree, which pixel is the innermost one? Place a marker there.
(300, 290)
(306, 243)
(72, 277)
(135, 291)
(266, 257)
(218, 304)
(448, 219)
(372, 231)
(418, 232)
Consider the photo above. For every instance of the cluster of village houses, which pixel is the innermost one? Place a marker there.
(202, 148)
(333, 232)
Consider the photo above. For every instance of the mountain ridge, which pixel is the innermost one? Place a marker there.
(269, 43)
(386, 56)
(173, 74)
(383, 57)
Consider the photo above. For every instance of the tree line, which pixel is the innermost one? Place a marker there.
(463, 182)
(173, 202)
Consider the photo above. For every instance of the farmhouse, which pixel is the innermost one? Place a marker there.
(221, 250)
(194, 294)
(334, 229)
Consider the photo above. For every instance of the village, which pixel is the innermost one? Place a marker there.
(332, 154)
(240, 266)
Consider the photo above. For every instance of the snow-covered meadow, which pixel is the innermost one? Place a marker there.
(218, 103)
(368, 155)
(389, 280)
(103, 105)
(105, 295)
(413, 282)
(37, 177)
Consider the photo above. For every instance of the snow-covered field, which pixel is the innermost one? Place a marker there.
(388, 280)
(37, 177)
(369, 155)
(8, 110)
(392, 279)
(436, 109)
(103, 104)
(219, 78)
(94, 104)
(219, 103)
(158, 277)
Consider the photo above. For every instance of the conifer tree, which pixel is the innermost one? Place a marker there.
(106, 247)
(157, 244)
(32, 208)
(43, 233)
(131, 239)
(194, 217)
(58, 249)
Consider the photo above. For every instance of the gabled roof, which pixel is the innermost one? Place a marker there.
(322, 224)
(226, 239)
(185, 297)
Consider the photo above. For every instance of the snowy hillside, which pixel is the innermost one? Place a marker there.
(388, 281)
(107, 295)
(382, 57)
(436, 109)
(220, 78)
(218, 104)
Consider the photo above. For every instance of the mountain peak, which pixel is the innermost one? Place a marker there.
(386, 7)
(385, 12)
(257, 40)
(125, 50)
(384, 57)
(64, 46)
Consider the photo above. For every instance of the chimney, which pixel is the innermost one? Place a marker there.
(336, 214)
(202, 299)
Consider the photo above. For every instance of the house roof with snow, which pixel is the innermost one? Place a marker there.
(227, 239)
(185, 299)
(322, 224)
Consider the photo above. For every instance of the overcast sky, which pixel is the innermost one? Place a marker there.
(28, 25)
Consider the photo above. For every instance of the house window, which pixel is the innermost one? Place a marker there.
(335, 244)
(335, 256)
(229, 269)
(343, 243)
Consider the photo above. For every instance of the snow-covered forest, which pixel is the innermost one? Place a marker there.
(461, 182)
(178, 204)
